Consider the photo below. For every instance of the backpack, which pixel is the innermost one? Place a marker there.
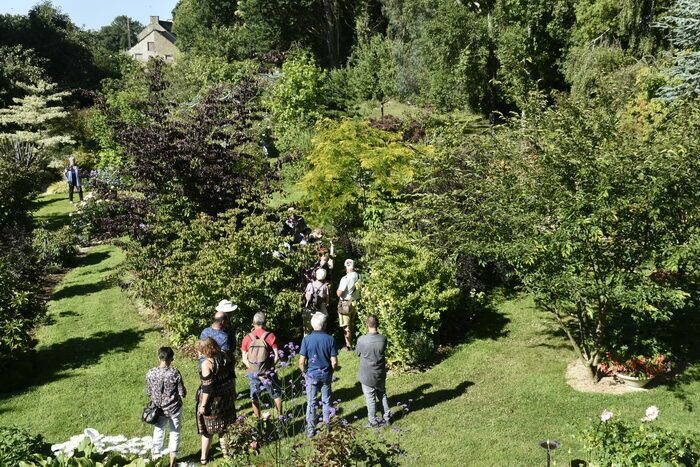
(314, 303)
(259, 353)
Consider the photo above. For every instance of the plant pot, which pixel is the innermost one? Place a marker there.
(633, 381)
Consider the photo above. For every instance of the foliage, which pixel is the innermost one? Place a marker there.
(372, 69)
(194, 22)
(120, 34)
(345, 446)
(682, 23)
(587, 67)
(18, 66)
(54, 249)
(298, 96)
(204, 152)
(70, 56)
(628, 23)
(31, 117)
(17, 444)
(226, 257)
(613, 441)
(637, 366)
(20, 312)
(411, 292)
(585, 209)
(357, 173)
(530, 37)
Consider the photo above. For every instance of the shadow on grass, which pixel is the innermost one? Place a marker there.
(51, 362)
(93, 258)
(415, 400)
(79, 290)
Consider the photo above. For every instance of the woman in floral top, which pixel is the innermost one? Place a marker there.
(166, 389)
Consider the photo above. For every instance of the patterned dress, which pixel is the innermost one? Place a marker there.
(220, 385)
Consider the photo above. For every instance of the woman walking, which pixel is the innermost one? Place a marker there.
(166, 389)
(216, 396)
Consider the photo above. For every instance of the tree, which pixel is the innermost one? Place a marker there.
(598, 218)
(372, 70)
(194, 21)
(69, 55)
(18, 66)
(356, 173)
(683, 26)
(33, 118)
(120, 34)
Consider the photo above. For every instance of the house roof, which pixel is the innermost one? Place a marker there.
(163, 27)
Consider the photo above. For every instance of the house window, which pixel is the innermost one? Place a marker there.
(169, 57)
(138, 56)
(151, 46)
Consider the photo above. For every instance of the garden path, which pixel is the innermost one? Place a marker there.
(486, 403)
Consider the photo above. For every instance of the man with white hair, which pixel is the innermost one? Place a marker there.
(349, 294)
(260, 356)
(220, 330)
(72, 174)
(318, 359)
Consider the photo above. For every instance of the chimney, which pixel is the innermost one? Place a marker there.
(154, 20)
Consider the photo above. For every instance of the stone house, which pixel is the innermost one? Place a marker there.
(156, 40)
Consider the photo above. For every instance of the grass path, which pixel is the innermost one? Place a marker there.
(486, 404)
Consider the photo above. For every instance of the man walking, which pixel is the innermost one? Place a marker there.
(220, 329)
(318, 359)
(72, 174)
(372, 371)
(348, 294)
(259, 356)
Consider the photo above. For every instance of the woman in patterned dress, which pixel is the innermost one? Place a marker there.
(216, 395)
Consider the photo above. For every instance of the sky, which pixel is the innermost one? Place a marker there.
(94, 14)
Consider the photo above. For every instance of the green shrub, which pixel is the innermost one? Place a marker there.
(224, 258)
(54, 249)
(410, 291)
(20, 311)
(612, 441)
(17, 444)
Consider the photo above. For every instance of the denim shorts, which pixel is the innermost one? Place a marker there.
(259, 385)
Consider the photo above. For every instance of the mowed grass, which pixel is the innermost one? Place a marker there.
(488, 403)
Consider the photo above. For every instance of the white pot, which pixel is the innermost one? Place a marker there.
(633, 381)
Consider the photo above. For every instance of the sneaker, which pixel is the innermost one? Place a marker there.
(370, 425)
(310, 432)
(387, 420)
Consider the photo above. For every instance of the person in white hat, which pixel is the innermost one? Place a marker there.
(220, 330)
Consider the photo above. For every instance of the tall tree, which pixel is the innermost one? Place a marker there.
(120, 34)
(32, 118)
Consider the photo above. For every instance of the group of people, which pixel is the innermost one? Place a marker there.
(215, 398)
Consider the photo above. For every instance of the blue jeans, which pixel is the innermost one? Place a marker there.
(380, 394)
(313, 386)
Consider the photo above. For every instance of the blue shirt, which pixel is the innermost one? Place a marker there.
(318, 348)
(220, 336)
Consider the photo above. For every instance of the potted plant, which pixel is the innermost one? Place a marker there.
(636, 371)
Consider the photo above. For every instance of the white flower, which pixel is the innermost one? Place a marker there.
(606, 415)
(651, 414)
(266, 415)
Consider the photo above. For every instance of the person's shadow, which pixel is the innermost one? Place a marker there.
(416, 399)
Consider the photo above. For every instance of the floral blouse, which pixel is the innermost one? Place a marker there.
(166, 389)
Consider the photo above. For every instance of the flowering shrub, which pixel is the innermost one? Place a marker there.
(102, 444)
(612, 441)
(638, 366)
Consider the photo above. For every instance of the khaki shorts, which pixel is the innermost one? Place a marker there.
(347, 320)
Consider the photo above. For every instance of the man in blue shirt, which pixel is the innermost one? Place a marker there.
(220, 330)
(318, 359)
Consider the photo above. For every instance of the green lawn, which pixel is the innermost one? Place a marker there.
(488, 403)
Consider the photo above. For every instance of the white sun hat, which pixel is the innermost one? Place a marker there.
(225, 306)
